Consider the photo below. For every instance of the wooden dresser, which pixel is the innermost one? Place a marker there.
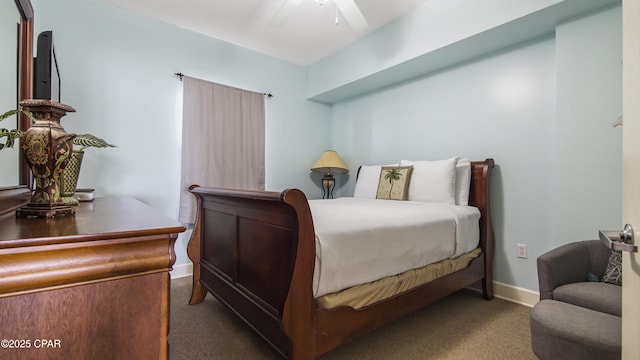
(90, 286)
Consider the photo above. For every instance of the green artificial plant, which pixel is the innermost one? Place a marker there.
(13, 134)
(88, 140)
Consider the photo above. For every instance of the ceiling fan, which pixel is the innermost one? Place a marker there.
(348, 8)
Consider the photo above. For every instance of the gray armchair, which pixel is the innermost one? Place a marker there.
(576, 318)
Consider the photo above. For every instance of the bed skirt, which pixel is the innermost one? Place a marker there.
(361, 296)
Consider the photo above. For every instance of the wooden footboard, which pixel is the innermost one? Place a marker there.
(255, 252)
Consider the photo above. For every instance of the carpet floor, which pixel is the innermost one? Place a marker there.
(461, 326)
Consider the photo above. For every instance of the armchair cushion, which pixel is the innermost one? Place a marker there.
(598, 296)
(568, 332)
(570, 263)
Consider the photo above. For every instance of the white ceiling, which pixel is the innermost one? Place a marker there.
(308, 34)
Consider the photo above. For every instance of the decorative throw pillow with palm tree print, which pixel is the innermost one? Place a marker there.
(394, 182)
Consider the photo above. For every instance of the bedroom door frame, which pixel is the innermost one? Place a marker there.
(631, 175)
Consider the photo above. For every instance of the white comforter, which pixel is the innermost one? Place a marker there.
(362, 240)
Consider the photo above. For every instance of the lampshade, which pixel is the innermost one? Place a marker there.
(330, 163)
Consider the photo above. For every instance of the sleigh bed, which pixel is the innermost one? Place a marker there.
(255, 252)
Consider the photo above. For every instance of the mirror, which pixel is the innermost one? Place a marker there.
(9, 30)
(17, 67)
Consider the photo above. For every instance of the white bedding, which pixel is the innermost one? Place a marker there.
(362, 240)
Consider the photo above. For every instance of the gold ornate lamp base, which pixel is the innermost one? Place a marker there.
(47, 148)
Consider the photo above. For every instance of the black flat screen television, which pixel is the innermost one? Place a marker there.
(46, 75)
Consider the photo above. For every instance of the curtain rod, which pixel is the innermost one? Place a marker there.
(181, 75)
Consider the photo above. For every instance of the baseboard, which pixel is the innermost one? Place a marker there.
(515, 294)
(180, 271)
(511, 293)
(507, 292)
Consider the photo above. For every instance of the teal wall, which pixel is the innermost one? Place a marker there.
(542, 107)
(588, 156)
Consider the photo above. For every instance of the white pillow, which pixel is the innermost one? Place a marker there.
(367, 182)
(433, 181)
(463, 181)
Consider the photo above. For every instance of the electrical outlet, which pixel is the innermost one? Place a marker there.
(522, 251)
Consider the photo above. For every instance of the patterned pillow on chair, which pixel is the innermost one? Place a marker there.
(613, 273)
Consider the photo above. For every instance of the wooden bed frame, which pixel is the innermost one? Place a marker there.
(255, 252)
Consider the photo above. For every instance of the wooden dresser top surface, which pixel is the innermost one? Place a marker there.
(103, 218)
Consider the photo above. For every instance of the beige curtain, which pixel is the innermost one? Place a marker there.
(222, 140)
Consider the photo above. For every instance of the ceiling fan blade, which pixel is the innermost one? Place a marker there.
(281, 16)
(352, 14)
